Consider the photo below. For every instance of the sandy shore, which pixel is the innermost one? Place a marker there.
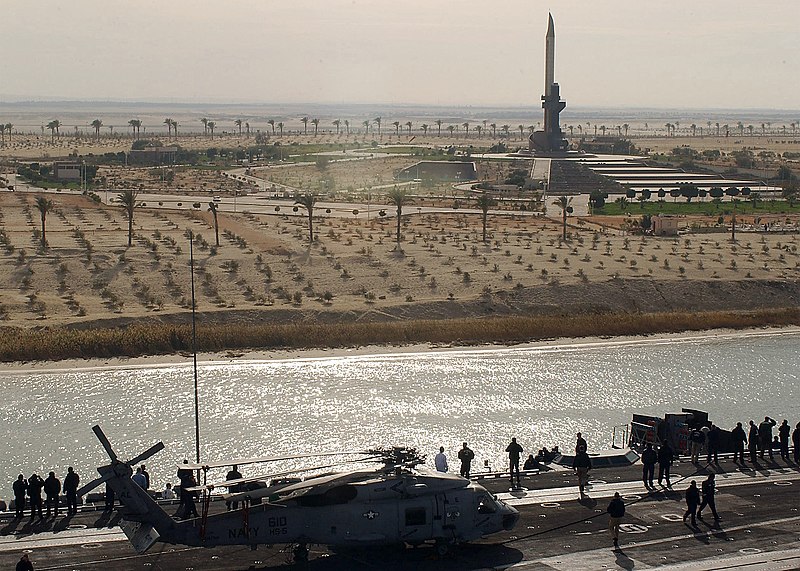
(232, 357)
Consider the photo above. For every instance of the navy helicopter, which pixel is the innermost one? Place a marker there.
(399, 502)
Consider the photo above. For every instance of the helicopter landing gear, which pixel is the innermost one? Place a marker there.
(442, 548)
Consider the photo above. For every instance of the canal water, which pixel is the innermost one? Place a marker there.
(541, 395)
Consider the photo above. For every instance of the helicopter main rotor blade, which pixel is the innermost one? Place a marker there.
(265, 459)
(83, 490)
(104, 441)
(230, 483)
(155, 448)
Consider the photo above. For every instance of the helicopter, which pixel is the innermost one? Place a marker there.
(401, 502)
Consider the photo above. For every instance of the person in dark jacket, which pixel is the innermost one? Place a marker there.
(24, 563)
(71, 482)
(765, 436)
(35, 485)
(739, 439)
(796, 443)
(582, 464)
(649, 459)
(20, 489)
(752, 442)
(514, 450)
(616, 511)
(712, 447)
(665, 458)
(52, 487)
(233, 474)
(692, 501)
(184, 474)
(466, 455)
(580, 443)
(146, 475)
(708, 497)
(783, 433)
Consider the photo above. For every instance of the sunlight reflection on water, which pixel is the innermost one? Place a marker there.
(541, 395)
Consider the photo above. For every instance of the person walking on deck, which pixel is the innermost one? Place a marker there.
(709, 491)
(580, 443)
(582, 464)
(616, 511)
(692, 501)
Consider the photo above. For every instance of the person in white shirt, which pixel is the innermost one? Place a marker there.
(440, 461)
(168, 494)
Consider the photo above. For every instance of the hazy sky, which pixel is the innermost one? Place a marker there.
(638, 53)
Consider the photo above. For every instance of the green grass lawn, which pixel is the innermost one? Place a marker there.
(669, 206)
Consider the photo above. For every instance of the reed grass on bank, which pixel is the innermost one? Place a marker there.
(157, 339)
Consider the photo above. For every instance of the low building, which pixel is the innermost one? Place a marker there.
(665, 225)
(63, 170)
(439, 171)
(153, 156)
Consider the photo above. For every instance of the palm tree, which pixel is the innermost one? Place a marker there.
(466, 129)
(238, 123)
(204, 121)
(211, 126)
(439, 126)
(494, 130)
(693, 127)
(271, 123)
(136, 126)
(168, 123)
(127, 200)
(44, 207)
(308, 201)
(740, 126)
(505, 129)
(478, 129)
(315, 122)
(425, 129)
(304, 121)
(212, 208)
(378, 123)
(53, 126)
(580, 129)
(408, 124)
(564, 204)
(247, 128)
(97, 123)
(626, 127)
(396, 128)
(399, 198)
(336, 124)
(347, 126)
(484, 202)
(521, 131)
(174, 128)
(280, 128)
(9, 126)
(603, 129)
(451, 128)
(3, 133)
(750, 129)
(366, 127)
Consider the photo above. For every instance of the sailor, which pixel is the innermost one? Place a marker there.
(466, 456)
(24, 563)
(649, 459)
(35, 485)
(665, 458)
(582, 464)
(190, 509)
(765, 436)
(71, 482)
(712, 441)
(531, 463)
(796, 443)
(52, 487)
(752, 442)
(168, 493)
(692, 501)
(139, 479)
(146, 475)
(183, 476)
(580, 443)
(440, 461)
(739, 438)
(708, 497)
(514, 450)
(616, 511)
(233, 474)
(20, 488)
(698, 439)
(783, 433)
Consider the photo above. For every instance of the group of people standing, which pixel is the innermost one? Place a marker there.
(30, 491)
(758, 439)
(465, 456)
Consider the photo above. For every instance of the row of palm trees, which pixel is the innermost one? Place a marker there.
(3, 128)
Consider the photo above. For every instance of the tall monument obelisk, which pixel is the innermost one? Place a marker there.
(551, 139)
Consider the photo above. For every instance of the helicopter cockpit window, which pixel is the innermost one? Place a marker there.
(486, 505)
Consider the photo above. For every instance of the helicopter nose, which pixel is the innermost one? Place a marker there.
(510, 520)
